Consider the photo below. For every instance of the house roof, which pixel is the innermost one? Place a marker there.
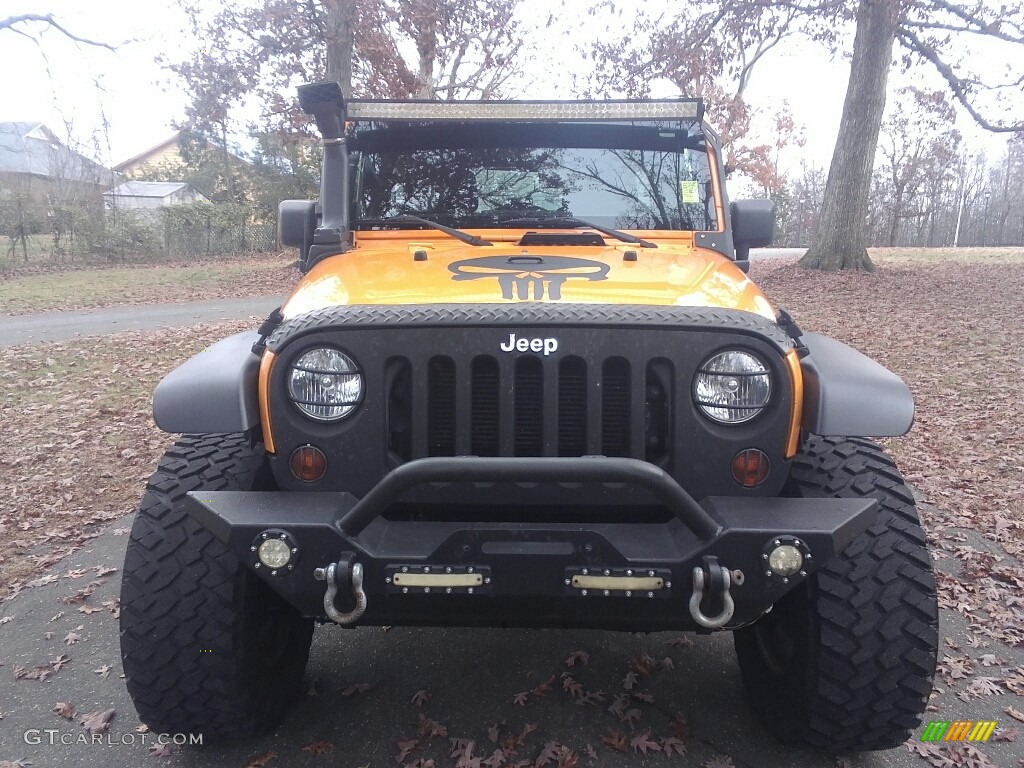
(155, 149)
(174, 139)
(32, 148)
(147, 189)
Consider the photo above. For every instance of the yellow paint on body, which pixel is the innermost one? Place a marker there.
(381, 269)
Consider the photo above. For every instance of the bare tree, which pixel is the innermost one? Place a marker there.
(26, 25)
(937, 34)
(706, 49)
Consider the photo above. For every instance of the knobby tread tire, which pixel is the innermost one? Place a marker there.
(207, 647)
(863, 629)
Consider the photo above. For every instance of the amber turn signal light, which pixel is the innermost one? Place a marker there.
(751, 467)
(308, 463)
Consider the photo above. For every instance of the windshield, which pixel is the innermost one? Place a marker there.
(487, 175)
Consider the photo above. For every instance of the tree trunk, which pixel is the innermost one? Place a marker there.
(840, 241)
(426, 50)
(340, 40)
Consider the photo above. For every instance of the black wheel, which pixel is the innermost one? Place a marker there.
(207, 647)
(845, 662)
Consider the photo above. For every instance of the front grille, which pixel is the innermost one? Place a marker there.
(531, 406)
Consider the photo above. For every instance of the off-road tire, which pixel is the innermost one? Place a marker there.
(207, 647)
(845, 662)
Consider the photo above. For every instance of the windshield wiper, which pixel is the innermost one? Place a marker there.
(458, 234)
(623, 236)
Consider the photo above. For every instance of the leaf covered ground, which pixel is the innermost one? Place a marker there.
(79, 442)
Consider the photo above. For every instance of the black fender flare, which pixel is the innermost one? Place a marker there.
(847, 393)
(214, 391)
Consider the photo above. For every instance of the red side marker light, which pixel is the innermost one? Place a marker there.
(750, 467)
(308, 463)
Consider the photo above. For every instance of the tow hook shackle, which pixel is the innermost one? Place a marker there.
(344, 574)
(717, 580)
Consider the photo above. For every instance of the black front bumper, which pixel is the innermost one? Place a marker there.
(620, 575)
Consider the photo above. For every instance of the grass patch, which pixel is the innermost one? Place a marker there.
(941, 255)
(93, 288)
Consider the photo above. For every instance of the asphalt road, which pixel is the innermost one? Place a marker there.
(471, 676)
(60, 326)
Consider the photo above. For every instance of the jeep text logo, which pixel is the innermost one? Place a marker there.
(529, 278)
(547, 346)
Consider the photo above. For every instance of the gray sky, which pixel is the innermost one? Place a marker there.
(139, 103)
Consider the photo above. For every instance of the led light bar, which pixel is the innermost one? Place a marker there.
(668, 109)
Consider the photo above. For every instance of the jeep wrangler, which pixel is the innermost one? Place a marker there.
(525, 381)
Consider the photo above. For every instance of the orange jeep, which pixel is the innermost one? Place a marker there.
(525, 381)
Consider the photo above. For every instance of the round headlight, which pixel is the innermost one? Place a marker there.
(732, 387)
(325, 384)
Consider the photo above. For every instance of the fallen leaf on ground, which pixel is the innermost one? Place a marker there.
(161, 750)
(97, 722)
(578, 656)
(319, 747)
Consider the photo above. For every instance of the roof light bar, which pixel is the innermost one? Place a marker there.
(669, 109)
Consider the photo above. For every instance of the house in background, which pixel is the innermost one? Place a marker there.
(163, 161)
(219, 174)
(40, 171)
(151, 195)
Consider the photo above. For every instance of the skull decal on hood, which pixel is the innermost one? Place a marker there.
(529, 278)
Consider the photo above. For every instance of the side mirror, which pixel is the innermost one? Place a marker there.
(296, 224)
(753, 226)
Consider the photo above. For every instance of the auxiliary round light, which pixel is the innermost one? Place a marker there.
(274, 553)
(785, 560)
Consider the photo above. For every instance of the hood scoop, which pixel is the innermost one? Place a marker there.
(561, 238)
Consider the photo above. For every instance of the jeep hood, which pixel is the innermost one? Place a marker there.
(433, 273)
